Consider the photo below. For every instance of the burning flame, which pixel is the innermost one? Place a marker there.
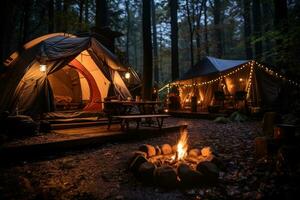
(182, 145)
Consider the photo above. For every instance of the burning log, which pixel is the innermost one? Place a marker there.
(158, 150)
(169, 166)
(166, 149)
(149, 149)
(206, 151)
(194, 153)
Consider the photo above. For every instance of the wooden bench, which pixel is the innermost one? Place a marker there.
(124, 120)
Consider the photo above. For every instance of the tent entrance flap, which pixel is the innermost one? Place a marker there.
(74, 87)
(95, 96)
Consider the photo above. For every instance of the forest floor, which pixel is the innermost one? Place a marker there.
(101, 173)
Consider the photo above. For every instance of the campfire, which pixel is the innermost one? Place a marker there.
(177, 165)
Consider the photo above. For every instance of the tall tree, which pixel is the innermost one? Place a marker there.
(51, 16)
(101, 13)
(154, 33)
(216, 9)
(199, 9)
(8, 14)
(257, 28)
(86, 11)
(190, 20)
(127, 7)
(147, 47)
(267, 25)
(80, 19)
(205, 28)
(281, 25)
(174, 39)
(247, 29)
(66, 7)
(25, 21)
(59, 12)
(280, 14)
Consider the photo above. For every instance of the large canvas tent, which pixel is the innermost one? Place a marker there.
(58, 68)
(259, 82)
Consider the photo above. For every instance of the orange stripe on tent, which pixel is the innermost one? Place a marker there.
(95, 95)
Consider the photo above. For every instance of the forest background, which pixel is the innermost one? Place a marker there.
(265, 30)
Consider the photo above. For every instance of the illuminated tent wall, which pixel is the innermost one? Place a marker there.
(212, 74)
(79, 69)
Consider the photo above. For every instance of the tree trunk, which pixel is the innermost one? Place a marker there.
(128, 29)
(280, 14)
(26, 20)
(155, 54)
(218, 30)
(280, 25)
(198, 28)
(58, 21)
(81, 3)
(8, 15)
(257, 28)
(86, 12)
(247, 29)
(147, 47)
(101, 13)
(174, 39)
(191, 32)
(205, 28)
(267, 16)
(65, 13)
(50, 16)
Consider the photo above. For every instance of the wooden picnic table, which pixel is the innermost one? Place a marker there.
(126, 106)
(124, 120)
(121, 108)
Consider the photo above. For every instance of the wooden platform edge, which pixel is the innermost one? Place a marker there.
(36, 151)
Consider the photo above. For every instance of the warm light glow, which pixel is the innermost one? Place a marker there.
(43, 68)
(240, 79)
(127, 75)
(166, 110)
(198, 101)
(187, 100)
(182, 145)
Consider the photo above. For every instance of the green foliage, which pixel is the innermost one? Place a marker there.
(238, 117)
(222, 120)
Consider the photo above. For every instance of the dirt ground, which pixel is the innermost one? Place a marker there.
(102, 173)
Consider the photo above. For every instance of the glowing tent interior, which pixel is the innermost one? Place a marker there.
(61, 69)
(260, 85)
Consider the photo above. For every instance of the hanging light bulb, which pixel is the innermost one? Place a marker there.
(127, 75)
(43, 68)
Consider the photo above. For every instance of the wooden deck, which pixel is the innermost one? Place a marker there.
(75, 138)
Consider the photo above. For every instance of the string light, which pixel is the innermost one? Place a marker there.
(276, 74)
(250, 63)
(250, 79)
(210, 81)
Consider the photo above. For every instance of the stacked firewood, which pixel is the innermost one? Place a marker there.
(159, 166)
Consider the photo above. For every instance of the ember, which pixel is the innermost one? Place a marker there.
(169, 166)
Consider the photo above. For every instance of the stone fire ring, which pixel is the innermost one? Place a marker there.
(156, 165)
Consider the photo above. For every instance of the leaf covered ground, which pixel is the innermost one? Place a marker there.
(101, 173)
